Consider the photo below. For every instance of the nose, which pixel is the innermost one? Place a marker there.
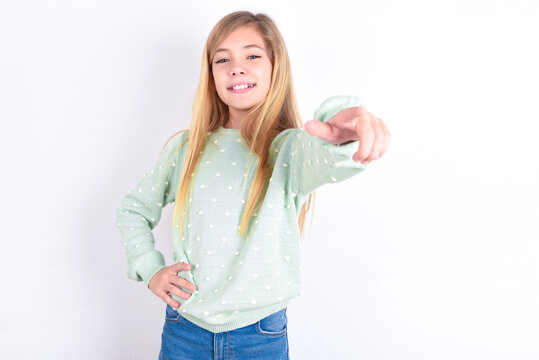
(237, 71)
(237, 68)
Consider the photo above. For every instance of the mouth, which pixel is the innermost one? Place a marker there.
(241, 88)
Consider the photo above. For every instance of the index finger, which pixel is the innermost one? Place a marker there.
(347, 118)
(365, 132)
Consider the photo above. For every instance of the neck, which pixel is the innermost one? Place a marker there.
(235, 119)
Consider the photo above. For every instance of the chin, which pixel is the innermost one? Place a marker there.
(242, 106)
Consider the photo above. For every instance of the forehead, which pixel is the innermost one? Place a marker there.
(246, 36)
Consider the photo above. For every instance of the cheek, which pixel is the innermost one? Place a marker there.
(217, 80)
(267, 76)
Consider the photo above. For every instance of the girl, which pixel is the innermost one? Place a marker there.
(242, 177)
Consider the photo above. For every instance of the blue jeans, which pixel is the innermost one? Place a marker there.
(267, 339)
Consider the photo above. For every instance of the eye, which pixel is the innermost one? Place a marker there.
(221, 61)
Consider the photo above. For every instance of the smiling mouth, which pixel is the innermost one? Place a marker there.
(241, 87)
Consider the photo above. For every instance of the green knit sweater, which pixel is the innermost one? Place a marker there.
(238, 281)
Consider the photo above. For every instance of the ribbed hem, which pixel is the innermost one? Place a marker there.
(241, 319)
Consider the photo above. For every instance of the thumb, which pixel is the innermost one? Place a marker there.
(318, 128)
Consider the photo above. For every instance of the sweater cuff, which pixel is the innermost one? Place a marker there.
(148, 264)
(331, 106)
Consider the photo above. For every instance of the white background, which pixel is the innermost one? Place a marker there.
(431, 253)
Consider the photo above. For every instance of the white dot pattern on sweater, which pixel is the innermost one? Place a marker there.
(235, 278)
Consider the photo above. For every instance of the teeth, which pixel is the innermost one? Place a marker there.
(239, 87)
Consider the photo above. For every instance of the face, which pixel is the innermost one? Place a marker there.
(241, 60)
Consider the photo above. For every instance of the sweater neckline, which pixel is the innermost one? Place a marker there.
(224, 130)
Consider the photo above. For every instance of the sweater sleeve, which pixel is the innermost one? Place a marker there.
(140, 211)
(315, 162)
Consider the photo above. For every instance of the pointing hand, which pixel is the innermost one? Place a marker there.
(351, 124)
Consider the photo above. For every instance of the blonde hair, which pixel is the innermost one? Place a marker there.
(263, 122)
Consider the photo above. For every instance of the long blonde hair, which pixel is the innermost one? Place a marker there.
(262, 123)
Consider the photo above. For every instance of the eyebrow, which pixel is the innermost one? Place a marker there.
(245, 47)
